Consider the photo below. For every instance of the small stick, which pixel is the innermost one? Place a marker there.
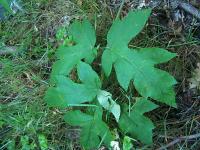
(190, 9)
(182, 138)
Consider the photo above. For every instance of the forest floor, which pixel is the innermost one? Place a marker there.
(26, 122)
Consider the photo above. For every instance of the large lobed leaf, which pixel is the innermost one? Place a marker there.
(138, 64)
(133, 122)
(68, 93)
(69, 56)
(94, 130)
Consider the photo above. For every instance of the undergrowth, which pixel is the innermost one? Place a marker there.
(25, 120)
(135, 65)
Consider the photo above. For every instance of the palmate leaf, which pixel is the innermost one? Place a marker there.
(134, 123)
(138, 64)
(94, 130)
(67, 92)
(84, 37)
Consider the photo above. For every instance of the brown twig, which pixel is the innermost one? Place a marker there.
(179, 139)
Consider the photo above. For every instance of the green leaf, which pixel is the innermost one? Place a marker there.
(84, 38)
(107, 63)
(61, 33)
(94, 130)
(43, 142)
(88, 76)
(6, 5)
(77, 118)
(138, 64)
(67, 92)
(122, 32)
(127, 145)
(105, 100)
(134, 123)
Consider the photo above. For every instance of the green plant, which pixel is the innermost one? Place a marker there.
(43, 142)
(6, 5)
(25, 143)
(127, 145)
(135, 65)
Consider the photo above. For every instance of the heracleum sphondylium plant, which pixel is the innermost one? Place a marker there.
(135, 65)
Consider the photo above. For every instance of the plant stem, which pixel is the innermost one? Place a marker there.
(120, 9)
(179, 139)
